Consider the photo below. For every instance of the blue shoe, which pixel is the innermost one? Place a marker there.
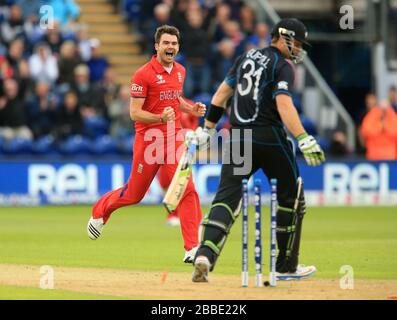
(302, 272)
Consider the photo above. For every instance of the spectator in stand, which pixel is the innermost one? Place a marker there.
(379, 132)
(13, 117)
(196, 48)
(393, 97)
(146, 12)
(42, 110)
(370, 102)
(30, 8)
(235, 8)
(224, 59)
(43, 65)
(82, 86)
(119, 114)
(69, 120)
(65, 12)
(108, 88)
(54, 39)
(161, 14)
(15, 27)
(68, 61)
(97, 63)
(338, 145)
(178, 14)
(17, 66)
(15, 56)
(84, 42)
(233, 32)
(217, 26)
(261, 38)
(247, 20)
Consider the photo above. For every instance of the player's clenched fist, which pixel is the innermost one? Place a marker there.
(168, 114)
(199, 109)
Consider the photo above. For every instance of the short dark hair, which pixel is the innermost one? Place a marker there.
(166, 29)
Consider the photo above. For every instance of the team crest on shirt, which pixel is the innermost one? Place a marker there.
(160, 79)
(179, 77)
(282, 85)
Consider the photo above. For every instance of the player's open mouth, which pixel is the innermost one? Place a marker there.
(169, 54)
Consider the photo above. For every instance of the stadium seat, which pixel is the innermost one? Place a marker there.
(75, 145)
(132, 9)
(104, 145)
(125, 146)
(18, 146)
(96, 126)
(44, 145)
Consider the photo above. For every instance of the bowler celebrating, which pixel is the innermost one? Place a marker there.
(156, 106)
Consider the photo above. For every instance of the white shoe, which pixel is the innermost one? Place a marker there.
(189, 255)
(94, 228)
(201, 268)
(302, 272)
(173, 221)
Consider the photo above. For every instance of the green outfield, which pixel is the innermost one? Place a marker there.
(137, 240)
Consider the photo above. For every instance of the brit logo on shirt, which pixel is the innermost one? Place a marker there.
(179, 77)
(136, 89)
(160, 79)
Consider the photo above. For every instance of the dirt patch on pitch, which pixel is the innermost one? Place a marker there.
(161, 285)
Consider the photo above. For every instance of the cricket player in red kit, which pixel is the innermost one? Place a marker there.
(156, 106)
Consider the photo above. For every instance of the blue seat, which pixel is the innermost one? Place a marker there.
(44, 145)
(104, 145)
(132, 8)
(76, 144)
(125, 146)
(96, 126)
(18, 146)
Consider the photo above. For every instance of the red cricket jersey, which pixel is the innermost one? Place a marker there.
(160, 90)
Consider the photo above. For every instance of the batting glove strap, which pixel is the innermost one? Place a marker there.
(311, 150)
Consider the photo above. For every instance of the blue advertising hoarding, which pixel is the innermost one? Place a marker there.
(61, 182)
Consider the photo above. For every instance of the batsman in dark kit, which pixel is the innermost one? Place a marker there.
(259, 85)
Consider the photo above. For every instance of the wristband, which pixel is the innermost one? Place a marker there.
(161, 118)
(215, 113)
(302, 136)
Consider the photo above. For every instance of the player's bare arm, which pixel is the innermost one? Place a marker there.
(311, 150)
(198, 109)
(137, 114)
(219, 99)
(289, 115)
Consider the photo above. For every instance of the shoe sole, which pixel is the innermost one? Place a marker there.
(188, 260)
(290, 277)
(200, 273)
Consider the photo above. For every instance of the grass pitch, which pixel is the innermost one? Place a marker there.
(136, 239)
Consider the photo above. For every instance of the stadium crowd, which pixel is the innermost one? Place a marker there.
(58, 95)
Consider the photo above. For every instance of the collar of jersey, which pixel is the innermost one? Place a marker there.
(276, 49)
(158, 67)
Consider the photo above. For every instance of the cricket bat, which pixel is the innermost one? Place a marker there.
(181, 177)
